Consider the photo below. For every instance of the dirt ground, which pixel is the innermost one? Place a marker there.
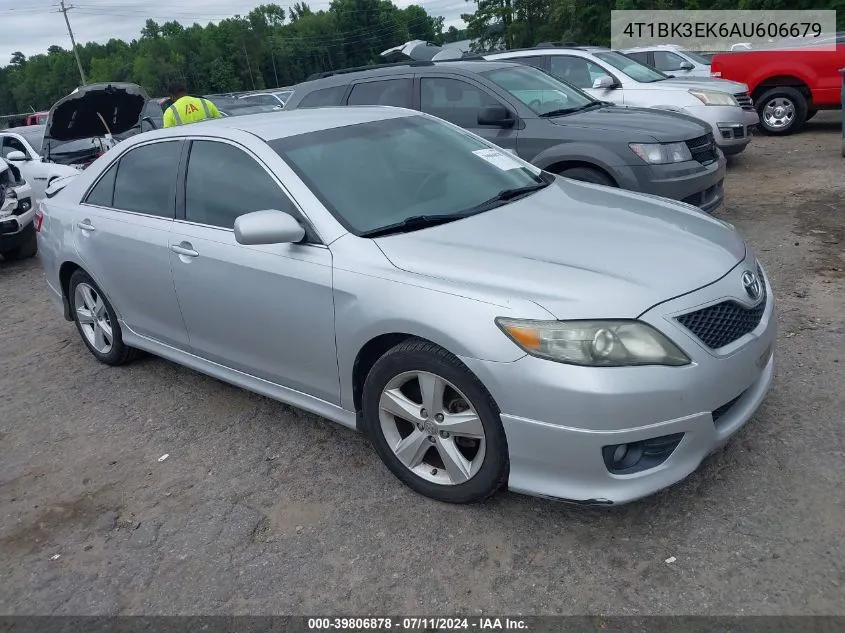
(264, 509)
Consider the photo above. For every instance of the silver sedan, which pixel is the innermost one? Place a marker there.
(484, 322)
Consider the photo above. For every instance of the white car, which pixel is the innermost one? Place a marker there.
(611, 76)
(17, 211)
(21, 146)
(671, 59)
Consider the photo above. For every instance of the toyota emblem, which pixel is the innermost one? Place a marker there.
(752, 286)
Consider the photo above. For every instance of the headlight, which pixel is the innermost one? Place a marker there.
(661, 153)
(594, 343)
(714, 98)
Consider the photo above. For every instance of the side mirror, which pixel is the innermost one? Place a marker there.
(17, 157)
(268, 227)
(604, 83)
(686, 66)
(495, 115)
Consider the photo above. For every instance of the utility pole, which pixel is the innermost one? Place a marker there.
(273, 57)
(249, 68)
(64, 9)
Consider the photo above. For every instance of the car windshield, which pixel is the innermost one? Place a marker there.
(538, 90)
(382, 173)
(698, 59)
(634, 69)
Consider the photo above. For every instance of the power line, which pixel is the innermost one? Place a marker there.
(64, 9)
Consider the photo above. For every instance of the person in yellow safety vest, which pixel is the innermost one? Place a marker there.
(185, 109)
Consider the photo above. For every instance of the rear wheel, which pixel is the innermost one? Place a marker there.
(434, 424)
(28, 248)
(782, 110)
(588, 174)
(97, 322)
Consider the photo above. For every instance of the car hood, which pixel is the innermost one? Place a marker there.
(579, 250)
(95, 111)
(637, 123)
(704, 83)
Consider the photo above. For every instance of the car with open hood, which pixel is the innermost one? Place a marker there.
(611, 76)
(550, 123)
(89, 121)
(486, 323)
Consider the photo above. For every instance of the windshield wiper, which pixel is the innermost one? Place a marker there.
(413, 223)
(416, 222)
(562, 111)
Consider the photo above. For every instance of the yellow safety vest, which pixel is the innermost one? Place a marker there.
(189, 110)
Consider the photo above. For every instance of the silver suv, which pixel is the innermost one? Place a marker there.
(724, 105)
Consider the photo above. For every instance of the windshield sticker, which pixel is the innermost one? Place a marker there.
(498, 159)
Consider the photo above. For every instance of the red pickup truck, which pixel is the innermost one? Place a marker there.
(788, 85)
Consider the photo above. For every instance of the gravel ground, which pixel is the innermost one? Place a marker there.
(264, 509)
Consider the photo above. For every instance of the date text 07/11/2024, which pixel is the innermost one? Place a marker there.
(416, 624)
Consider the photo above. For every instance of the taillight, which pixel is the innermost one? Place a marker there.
(39, 218)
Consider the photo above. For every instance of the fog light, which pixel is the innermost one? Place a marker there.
(619, 453)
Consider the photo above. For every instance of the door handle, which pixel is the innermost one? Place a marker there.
(86, 225)
(184, 249)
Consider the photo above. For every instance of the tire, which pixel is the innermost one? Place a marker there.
(810, 114)
(779, 123)
(588, 174)
(485, 461)
(28, 249)
(117, 353)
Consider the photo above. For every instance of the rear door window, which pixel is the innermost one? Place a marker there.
(388, 92)
(146, 179)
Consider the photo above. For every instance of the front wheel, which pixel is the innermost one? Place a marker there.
(434, 424)
(27, 248)
(782, 110)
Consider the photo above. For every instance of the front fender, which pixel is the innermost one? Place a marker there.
(580, 152)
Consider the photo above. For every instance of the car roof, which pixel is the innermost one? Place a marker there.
(269, 126)
(24, 130)
(471, 67)
(581, 51)
(654, 47)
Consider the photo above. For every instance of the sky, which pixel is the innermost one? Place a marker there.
(31, 26)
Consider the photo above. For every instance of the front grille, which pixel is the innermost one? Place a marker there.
(722, 324)
(703, 149)
(745, 101)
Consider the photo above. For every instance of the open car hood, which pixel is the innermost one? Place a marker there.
(420, 51)
(92, 112)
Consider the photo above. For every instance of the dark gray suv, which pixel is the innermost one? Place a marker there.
(552, 124)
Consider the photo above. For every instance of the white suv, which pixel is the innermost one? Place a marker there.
(611, 76)
(17, 211)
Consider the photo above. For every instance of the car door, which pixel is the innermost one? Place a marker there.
(459, 100)
(583, 73)
(265, 310)
(121, 232)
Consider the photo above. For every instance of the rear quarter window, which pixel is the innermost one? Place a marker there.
(323, 97)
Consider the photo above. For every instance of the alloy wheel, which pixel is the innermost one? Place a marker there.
(432, 428)
(779, 113)
(93, 318)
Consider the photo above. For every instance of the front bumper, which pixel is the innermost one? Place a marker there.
(690, 182)
(731, 125)
(558, 418)
(15, 229)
